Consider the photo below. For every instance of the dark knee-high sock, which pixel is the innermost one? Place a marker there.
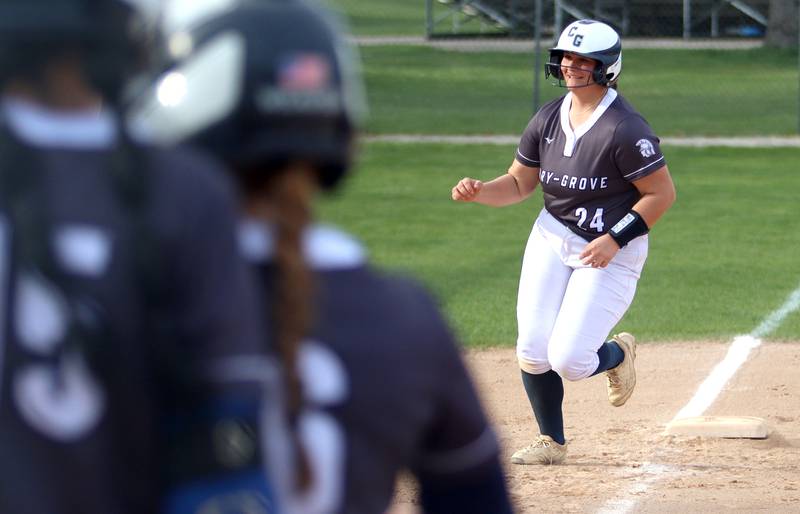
(546, 394)
(611, 356)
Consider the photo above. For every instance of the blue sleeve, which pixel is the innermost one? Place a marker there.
(215, 460)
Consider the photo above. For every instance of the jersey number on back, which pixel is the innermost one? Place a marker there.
(53, 390)
(325, 384)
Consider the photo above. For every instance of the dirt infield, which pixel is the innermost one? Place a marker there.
(618, 459)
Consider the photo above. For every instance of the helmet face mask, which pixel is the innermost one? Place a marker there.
(564, 67)
(593, 40)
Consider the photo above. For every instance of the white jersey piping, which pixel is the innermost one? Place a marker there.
(526, 157)
(572, 137)
(643, 167)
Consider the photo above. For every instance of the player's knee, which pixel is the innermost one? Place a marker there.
(569, 367)
(533, 366)
(570, 373)
(532, 353)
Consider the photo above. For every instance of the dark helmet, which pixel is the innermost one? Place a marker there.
(592, 39)
(260, 81)
(112, 36)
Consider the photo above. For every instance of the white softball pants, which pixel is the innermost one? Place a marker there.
(565, 309)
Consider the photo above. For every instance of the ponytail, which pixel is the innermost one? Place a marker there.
(291, 193)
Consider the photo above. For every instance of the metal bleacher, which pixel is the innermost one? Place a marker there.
(685, 18)
(516, 16)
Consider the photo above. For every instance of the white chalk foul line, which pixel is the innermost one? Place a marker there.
(722, 372)
(650, 473)
(774, 320)
(737, 355)
(706, 394)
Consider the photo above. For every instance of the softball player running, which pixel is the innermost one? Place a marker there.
(374, 380)
(605, 184)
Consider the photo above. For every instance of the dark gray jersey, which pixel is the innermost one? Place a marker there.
(586, 174)
(383, 368)
(81, 425)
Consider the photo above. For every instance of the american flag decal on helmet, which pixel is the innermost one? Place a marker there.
(304, 72)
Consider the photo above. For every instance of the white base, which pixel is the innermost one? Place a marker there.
(747, 427)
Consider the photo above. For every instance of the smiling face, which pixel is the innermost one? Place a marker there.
(577, 70)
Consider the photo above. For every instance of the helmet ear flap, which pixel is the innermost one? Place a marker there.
(599, 74)
(613, 71)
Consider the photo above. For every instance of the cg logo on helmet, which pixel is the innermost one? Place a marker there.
(577, 38)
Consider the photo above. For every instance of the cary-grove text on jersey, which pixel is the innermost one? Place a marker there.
(572, 182)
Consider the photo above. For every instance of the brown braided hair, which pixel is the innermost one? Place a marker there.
(287, 195)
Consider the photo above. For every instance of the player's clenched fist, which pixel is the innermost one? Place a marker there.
(467, 189)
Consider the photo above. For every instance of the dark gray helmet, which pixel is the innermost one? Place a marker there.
(259, 81)
(113, 35)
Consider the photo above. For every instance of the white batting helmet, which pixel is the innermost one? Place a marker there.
(592, 39)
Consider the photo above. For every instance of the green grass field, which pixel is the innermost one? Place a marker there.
(720, 260)
(383, 17)
(431, 91)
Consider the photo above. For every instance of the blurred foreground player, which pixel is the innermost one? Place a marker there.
(129, 335)
(374, 381)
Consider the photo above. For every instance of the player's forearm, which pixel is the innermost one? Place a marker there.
(502, 191)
